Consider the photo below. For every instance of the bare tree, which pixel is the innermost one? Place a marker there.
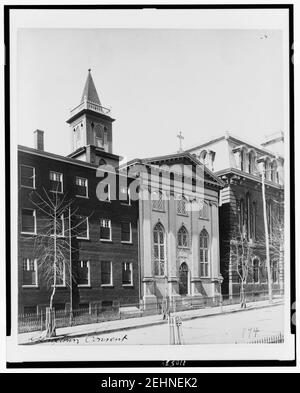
(241, 254)
(58, 223)
(276, 244)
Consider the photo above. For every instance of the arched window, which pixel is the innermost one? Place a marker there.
(102, 162)
(251, 162)
(183, 237)
(159, 249)
(204, 260)
(268, 169)
(182, 204)
(255, 266)
(99, 137)
(242, 159)
(274, 172)
(203, 157)
(158, 201)
(203, 209)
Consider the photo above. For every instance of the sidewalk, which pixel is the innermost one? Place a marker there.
(133, 323)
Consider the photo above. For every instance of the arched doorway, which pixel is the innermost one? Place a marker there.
(183, 279)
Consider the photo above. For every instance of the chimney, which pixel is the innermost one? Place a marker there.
(39, 139)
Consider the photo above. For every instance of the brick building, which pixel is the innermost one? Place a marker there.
(103, 241)
(240, 164)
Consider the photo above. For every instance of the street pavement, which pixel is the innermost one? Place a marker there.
(225, 324)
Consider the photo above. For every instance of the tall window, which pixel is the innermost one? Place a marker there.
(183, 238)
(77, 137)
(126, 232)
(124, 196)
(270, 216)
(29, 272)
(242, 217)
(203, 210)
(274, 172)
(263, 273)
(275, 272)
(242, 160)
(28, 224)
(127, 273)
(251, 162)
(106, 273)
(204, 260)
(182, 206)
(158, 201)
(56, 181)
(83, 270)
(105, 229)
(253, 221)
(81, 187)
(82, 228)
(99, 140)
(27, 176)
(159, 243)
(255, 264)
(247, 217)
(267, 169)
(60, 273)
(60, 226)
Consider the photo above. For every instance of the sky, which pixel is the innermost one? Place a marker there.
(158, 82)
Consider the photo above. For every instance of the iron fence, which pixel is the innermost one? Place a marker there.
(275, 339)
(96, 313)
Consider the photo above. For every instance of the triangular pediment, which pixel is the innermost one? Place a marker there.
(180, 159)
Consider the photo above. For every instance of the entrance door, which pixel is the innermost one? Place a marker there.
(183, 279)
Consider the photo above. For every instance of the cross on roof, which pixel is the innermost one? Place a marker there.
(180, 137)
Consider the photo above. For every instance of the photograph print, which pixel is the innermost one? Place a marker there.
(150, 182)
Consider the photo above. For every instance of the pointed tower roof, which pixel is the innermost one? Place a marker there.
(90, 91)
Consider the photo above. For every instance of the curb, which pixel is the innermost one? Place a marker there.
(120, 329)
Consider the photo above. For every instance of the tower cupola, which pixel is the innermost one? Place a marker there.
(91, 126)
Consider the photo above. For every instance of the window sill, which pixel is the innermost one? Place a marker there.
(59, 286)
(30, 188)
(157, 210)
(204, 218)
(127, 285)
(82, 238)
(30, 287)
(182, 214)
(106, 241)
(56, 192)
(28, 233)
(84, 286)
(124, 242)
(82, 196)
